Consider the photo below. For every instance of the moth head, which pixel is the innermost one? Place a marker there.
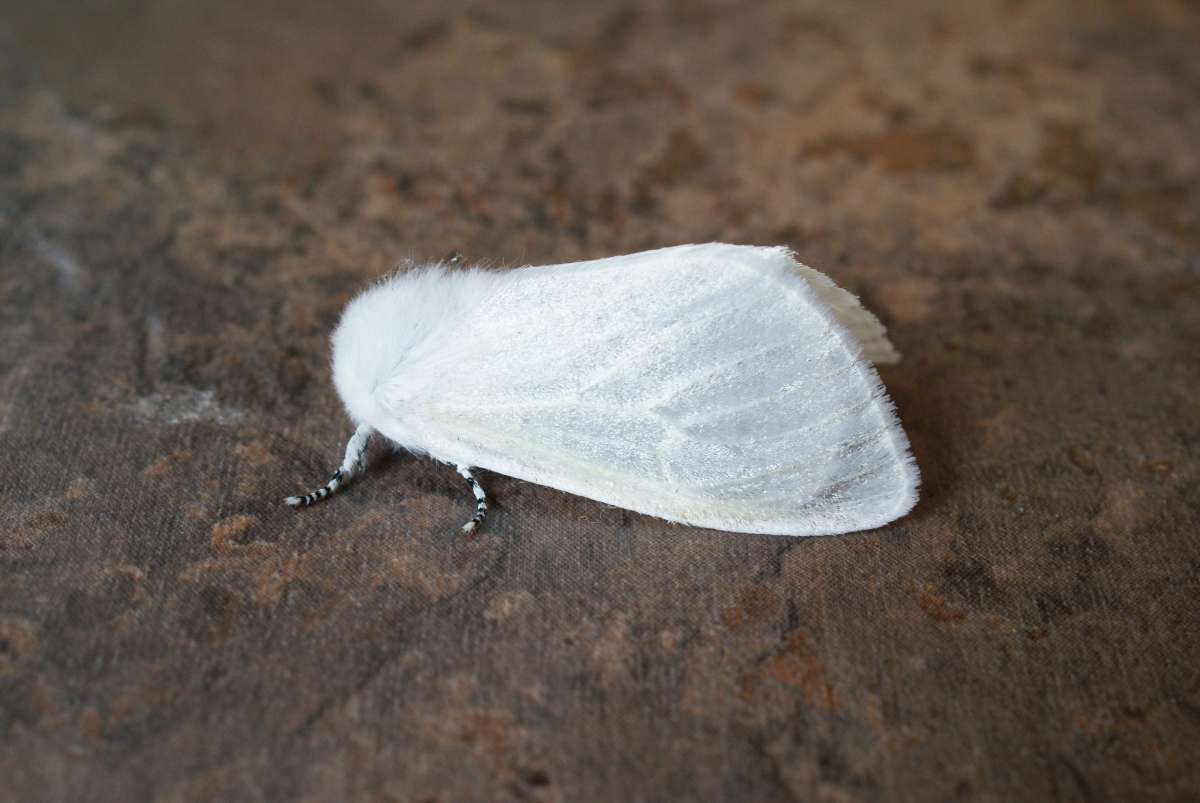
(369, 343)
(385, 333)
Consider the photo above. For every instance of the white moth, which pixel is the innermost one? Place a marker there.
(716, 385)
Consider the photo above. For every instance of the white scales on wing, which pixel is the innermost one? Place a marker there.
(715, 385)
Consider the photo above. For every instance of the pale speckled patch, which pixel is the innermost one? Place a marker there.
(185, 406)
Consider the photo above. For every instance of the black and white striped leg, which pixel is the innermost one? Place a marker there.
(480, 499)
(351, 465)
(312, 497)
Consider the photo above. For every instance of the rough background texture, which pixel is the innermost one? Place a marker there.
(190, 192)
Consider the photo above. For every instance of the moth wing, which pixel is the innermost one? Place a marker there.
(858, 322)
(715, 385)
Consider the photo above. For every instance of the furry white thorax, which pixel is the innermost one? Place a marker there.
(398, 321)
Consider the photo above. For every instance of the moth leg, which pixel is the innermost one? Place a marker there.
(351, 465)
(480, 499)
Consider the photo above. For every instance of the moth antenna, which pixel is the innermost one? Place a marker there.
(351, 465)
(480, 500)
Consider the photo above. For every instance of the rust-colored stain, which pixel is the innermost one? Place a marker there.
(42, 520)
(935, 606)
(682, 158)
(163, 465)
(1159, 467)
(33, 527)
(612, 650)
(1132, 729)
(255, 453)
(272, 579)
(1082, 461)
(505, 606)
(797, 664)
(754, 94)
(754, 605)
(18, 643)
(91, 724)
(80, 488)
(1067, 153)
(227, 532)
(490, 735)
(939, 148)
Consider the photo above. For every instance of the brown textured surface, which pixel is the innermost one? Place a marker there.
(189, 193)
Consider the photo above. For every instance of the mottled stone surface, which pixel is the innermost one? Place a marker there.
(190, 192)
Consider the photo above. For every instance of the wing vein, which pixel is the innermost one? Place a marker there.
(621, 362)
